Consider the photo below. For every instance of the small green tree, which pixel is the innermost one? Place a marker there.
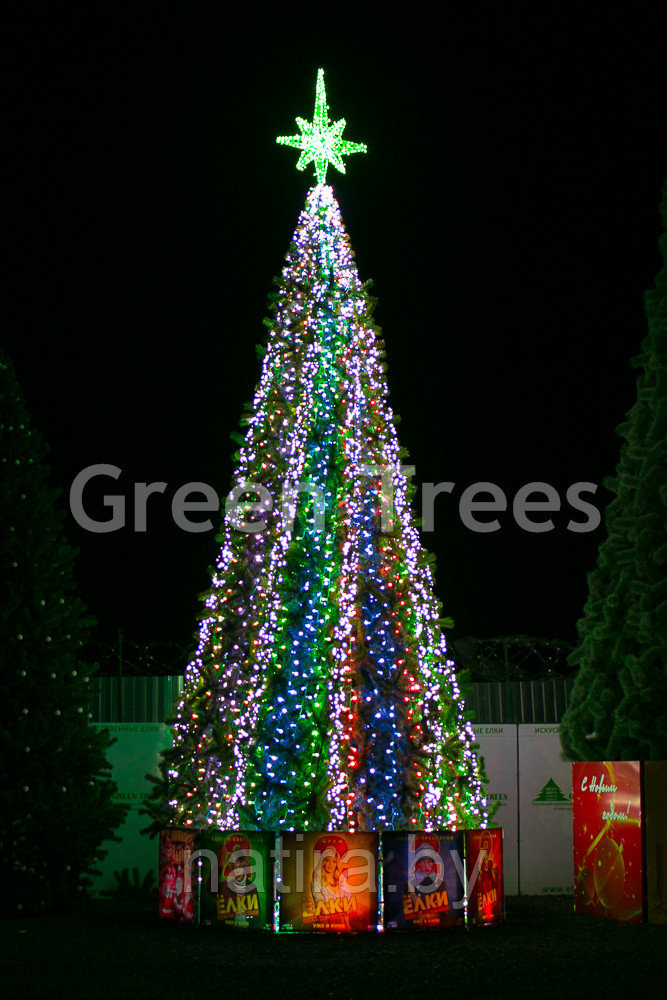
(618, 709)
(56, 794)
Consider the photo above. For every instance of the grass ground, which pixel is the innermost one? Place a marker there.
(543, 950)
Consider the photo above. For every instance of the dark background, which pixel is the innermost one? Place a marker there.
(507, 211)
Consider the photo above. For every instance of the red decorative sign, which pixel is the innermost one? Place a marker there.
(484, 875)
(608, 869)
(175, 884)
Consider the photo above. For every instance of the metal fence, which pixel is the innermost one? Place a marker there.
(520, 701)
(133, 699)
(151, 699)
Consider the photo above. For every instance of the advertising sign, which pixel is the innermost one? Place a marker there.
(498, 746)
(423, 880)
(176, 900)
(545, 817)
(236, 879)
(484, 876)
(135, 753)
(328, 881)
(608, 875)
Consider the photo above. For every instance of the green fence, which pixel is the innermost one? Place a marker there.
(151, 699)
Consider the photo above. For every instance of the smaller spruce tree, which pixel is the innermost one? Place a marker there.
(618, 709)
(56, 795)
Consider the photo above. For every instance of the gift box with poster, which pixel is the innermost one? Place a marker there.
(236, 879)
(608, 850)
(328, 881)
(422, 880)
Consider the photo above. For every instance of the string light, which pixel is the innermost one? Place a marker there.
(321, 694)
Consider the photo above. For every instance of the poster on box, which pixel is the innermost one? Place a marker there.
(484, 876)
(236, 879)
(422, 880)
(176, 900)
(608, 875)
(328, 881)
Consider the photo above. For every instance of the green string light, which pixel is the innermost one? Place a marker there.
(320, 141)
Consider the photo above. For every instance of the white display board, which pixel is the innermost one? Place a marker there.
(545, 812)
(498, 746)
(136, 753)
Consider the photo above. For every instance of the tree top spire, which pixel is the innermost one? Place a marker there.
(321, 141)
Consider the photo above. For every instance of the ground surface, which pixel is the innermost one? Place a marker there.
(543, 950)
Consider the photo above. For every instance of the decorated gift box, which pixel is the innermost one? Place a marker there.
(235, 879)
(608, 850)
(423, 880)
(328, 881)
(176, 898)
(620, 839)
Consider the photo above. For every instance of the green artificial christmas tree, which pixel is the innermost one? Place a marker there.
(618, 709)
(56, 795)
(321, 694)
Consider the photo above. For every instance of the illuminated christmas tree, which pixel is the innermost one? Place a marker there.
(321, 695)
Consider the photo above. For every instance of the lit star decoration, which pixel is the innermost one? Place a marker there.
(320, 140)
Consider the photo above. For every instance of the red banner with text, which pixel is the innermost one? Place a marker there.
(608, 870)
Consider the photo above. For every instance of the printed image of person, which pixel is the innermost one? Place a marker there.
(434, 886)
(329, 880)
(168, 890)
(236, 859)
(488, 875)
(426, 873)
(237, 898)
(180, 903)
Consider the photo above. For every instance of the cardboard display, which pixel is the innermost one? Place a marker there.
(328, 881)
(608, 858)
(423, 880)
(235, 879)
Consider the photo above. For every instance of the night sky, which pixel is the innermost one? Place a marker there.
(507, 212)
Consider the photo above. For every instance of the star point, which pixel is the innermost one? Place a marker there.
(321, 141)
